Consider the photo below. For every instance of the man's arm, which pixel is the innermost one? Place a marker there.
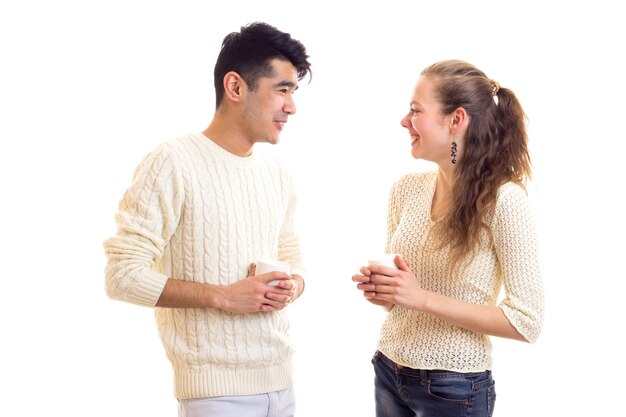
(289, 248)
(148, 215)
(249, 295)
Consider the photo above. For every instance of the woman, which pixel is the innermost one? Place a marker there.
(462, 232)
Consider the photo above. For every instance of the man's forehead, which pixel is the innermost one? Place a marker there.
(283, 74)
(280, 66)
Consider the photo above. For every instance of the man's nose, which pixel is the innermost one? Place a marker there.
(290, 106)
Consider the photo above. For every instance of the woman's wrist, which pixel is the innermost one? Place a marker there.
(422, 301)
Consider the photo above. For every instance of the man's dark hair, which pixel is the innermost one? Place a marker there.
(249, 53)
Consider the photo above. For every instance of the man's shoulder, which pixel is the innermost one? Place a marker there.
(167, 152)
(181, 142)
(176, 148)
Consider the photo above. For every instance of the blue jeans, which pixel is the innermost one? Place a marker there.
(407, 392)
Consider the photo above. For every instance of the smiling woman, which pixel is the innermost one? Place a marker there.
(462, 246)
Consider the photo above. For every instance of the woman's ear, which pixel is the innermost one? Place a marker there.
(459, 121)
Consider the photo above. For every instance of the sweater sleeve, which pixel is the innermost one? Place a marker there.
(393, 215)
(146, 219)
(515, 240)
(289, 248)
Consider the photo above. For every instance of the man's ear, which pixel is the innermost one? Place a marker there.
(234, 86)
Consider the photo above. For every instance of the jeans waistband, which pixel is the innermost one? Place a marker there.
(424, 373)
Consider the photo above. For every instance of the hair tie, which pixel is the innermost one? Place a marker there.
(495, 87)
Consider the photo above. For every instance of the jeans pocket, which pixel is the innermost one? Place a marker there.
(451, 389)
(491, 399)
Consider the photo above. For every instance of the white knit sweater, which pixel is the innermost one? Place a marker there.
(196, 212)
(422, 341)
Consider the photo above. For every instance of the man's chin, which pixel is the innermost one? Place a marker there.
(272, 141)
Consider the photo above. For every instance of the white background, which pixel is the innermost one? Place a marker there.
(87, 88)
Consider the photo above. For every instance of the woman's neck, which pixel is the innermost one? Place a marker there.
(442, 200)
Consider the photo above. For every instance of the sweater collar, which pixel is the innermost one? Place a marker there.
(226, 156)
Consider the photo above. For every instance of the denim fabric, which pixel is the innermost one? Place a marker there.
(273, 404)
(407, 392)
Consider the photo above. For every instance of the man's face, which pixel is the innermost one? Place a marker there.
(267, 109)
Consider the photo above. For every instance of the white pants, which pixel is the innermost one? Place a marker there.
(273, 404)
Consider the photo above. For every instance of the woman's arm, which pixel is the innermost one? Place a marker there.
(401, 287)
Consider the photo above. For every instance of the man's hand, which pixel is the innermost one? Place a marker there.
(295, 286)
(250, 294)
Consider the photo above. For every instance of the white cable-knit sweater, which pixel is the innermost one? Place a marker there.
(422, 341)
(196, 212)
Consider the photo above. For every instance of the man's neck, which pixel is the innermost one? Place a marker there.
(225, 133)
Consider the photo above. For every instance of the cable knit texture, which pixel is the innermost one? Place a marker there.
(422, 341)
(198, 213)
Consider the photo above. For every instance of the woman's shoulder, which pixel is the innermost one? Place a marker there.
(511, 191)
(411, 187)
(416, 180)
(512, 201)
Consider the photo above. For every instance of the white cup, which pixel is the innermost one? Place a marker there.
(384, 260)
(264, 266)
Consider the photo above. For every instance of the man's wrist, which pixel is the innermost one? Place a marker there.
(214, 296)
(300, 284)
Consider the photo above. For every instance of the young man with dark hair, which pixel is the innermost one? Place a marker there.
(201, 209)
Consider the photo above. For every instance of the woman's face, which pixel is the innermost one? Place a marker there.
(429, 129)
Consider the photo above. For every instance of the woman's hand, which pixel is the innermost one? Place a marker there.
(394, 286)
(363, 280)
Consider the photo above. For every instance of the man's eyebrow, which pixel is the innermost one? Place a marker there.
(286, 83)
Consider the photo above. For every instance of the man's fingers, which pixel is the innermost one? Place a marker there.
(278, 298)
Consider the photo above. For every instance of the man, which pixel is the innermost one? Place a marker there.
(202, 208)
